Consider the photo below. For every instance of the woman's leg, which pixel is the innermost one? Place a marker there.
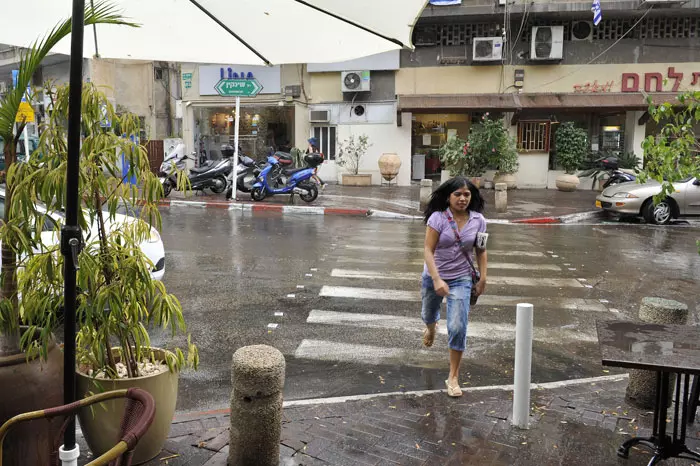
(457, 316)
(430, 311)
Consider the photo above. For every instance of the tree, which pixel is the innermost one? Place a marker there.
(351, 151)
(13, 231)
(571, 143)
(672, 154)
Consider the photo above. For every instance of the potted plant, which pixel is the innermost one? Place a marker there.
(571, 144)
(499, 148)
(350, 152)
(118, 301)
(31, 370)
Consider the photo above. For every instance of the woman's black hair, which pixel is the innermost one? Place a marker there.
(440, 200)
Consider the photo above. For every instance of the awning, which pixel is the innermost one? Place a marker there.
(513, 102)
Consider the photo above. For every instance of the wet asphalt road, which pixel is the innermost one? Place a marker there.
(233, 272)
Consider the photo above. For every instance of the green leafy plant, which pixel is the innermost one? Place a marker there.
(453, 155)
(14, 229)
(351, 151)
(117, 298)
(571, 144)
(490, 145)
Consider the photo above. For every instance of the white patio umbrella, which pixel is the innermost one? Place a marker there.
(245, 32)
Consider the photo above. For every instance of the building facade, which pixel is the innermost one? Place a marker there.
(538, 64)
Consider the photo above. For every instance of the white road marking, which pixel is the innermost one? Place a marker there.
(494, 252)
(321, 350)
(493, 280)
(272, 325)
(486, 300)
(492, 265)
(475, 329)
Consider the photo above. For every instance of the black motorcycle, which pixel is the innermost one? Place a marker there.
(211, 175)
(610, 167)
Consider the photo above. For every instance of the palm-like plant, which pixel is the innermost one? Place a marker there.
(13, 231)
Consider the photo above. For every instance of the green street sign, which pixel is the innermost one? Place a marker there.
(238, 87)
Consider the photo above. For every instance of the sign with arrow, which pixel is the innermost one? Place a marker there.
(238, 87)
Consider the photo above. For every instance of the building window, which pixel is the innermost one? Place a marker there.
(326, 140)
(158, 74)
(533, 136)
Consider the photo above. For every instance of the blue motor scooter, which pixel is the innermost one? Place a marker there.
(275, 179)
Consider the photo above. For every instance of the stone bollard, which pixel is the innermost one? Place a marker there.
(257, 376)
(641, 388)
(501, 197)
(426, 190)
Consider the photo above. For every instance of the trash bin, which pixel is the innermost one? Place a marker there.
(418, 168)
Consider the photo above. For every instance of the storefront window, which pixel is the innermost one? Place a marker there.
(430, 131)
(533, 136)
(262, 128)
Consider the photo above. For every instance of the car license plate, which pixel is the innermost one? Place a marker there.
(598, 204)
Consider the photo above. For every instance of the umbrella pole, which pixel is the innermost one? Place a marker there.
(71, 238)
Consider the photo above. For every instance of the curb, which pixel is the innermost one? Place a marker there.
(316, 210)
(187, 416)
(569, 218)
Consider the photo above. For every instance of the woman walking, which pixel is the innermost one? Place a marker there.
(455, 226)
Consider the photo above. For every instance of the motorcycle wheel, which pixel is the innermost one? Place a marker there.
(312, 193)
(219, 185)
(258, 194)
(167, 188)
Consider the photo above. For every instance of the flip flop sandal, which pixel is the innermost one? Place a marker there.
(429, 339)
(453, 390)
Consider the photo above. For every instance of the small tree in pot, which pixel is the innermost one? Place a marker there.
(571, 143)
(350, 153)
(117, 298)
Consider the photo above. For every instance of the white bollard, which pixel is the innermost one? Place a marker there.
(523, 365)
(69, 457)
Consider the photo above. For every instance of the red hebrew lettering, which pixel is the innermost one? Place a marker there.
(626, 86)
(696, 78)
(678, 77)
(659, 82)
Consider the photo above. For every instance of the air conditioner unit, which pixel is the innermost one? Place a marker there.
(547, 43)
(502, 2)
(319, 116)
(354, 81)
(581, 30)
(488, 48)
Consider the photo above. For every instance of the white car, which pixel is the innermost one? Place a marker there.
(152, 248)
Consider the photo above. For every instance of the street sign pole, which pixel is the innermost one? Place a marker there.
(26, 142)
(235, 150)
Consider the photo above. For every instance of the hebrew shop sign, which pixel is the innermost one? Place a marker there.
(670, 81)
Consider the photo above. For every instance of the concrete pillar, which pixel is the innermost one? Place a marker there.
(426, 190)
(641, 388)
(634, 134)
(257, 376)
(501, 197)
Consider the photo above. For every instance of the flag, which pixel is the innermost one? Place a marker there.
(445, 2)
(597, 12)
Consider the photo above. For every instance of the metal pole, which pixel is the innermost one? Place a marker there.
(234, 172)
(523, 363)
(70, 233)
(26, 142)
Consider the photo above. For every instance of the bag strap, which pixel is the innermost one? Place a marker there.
(462, 247)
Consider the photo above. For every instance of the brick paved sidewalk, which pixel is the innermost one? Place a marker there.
(576, 424)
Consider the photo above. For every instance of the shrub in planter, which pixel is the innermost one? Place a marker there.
(350, 153)
(117, 301)
(571, 145)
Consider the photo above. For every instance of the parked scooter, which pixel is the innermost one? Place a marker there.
(275, 179)
(211, 175)
(610, 166)
(247, 174)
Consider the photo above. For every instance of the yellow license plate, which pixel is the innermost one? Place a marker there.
(598, 204)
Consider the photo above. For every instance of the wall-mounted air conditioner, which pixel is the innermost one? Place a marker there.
(547, 43)
(488, 48)
(319, 116)
(502, 2)
(581, 30)
(355, 81)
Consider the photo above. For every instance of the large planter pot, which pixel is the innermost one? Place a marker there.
(508, 178)
(30, 386)
(389, 165)
(363, 179)
(567, 182)
(100, 425)
(444, 176)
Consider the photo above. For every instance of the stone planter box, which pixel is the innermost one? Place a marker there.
(362, 179)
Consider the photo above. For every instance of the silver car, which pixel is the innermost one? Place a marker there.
(632, 199)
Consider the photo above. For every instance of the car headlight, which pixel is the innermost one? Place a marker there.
(625, 195)
(154, 237)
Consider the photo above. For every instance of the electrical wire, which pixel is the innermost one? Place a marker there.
(526, 15)
(601, 53)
